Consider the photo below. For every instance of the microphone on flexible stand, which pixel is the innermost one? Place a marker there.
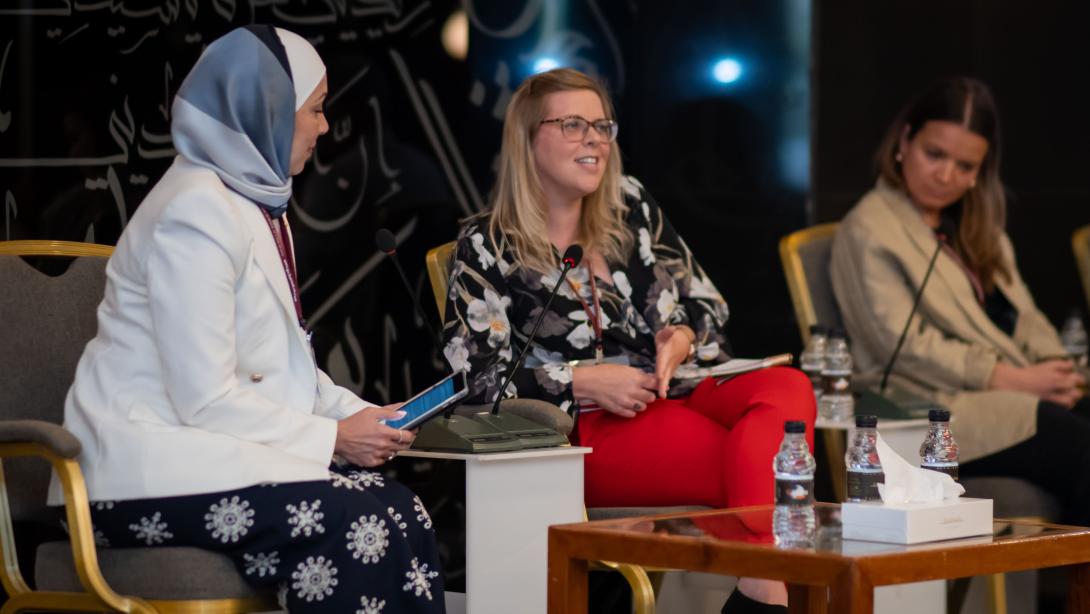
(451, 432)
(905, 404)
(530, 433)
(386, 242)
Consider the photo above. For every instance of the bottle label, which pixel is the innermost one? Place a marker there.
(863, 485)
(950, 469)
(815, 378)
(836, 384)
(794, 490)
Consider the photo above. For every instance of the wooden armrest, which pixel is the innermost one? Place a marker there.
(53, 436)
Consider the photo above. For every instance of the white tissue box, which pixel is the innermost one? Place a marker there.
(914, 523)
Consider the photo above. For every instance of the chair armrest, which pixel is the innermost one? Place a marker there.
(542, 412)
(53, 436)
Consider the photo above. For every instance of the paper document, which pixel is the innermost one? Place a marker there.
(733, 366)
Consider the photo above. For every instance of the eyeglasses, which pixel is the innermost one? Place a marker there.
(574, 128)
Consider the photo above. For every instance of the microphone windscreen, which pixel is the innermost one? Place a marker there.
(385, 241)
(573, 255)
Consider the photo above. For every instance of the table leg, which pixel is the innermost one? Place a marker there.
(567, 582)
(802, 599)
(1078, 589)
(851, 594)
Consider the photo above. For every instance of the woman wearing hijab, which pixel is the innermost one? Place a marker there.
(203, 417)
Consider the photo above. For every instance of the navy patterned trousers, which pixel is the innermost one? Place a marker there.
(358, 542)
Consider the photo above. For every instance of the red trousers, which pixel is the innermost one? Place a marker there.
(713, 448)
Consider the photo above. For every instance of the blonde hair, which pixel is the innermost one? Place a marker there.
(517, 215)
(982, 211)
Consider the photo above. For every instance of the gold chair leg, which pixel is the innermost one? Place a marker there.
(997, 593)
(643, 593)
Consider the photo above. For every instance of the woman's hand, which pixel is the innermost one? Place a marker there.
(672, 345)
(619, 389)
(1055, 380)
(363, 440)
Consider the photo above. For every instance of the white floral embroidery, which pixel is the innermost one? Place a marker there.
(491, 315)
(666, 304)
(103, 505)
(368, 539)
(646, 256)
(708, 351)
(646, 211)
(701, 287)
(581, 336)
(422, 515)
(100, 537)
(343, 481)
(457, 354)
(620, 280)
(367, 479)
(483, 256)
(578, 277)
(282, 596)
(151, 530)
(305, 518)
(371, 606)
(261, 564)
(230, 519)
(314, 578)
(396, 516)
(419, 579)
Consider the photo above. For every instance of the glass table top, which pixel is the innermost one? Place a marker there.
(754, 526)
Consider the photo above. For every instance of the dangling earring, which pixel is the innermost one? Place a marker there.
(898, 157)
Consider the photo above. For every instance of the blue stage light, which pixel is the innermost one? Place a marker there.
(727, 70)
(545, 63)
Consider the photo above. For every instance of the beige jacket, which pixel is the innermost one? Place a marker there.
(880, 255)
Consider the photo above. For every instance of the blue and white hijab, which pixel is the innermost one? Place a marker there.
(235, 111)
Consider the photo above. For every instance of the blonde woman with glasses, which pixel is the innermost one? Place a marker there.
(637, 307)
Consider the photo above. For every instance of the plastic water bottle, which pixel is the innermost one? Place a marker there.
(939, 451)
(836, 401)
(1073, 337)
(793, 521)
(812, 358)
(861, 459)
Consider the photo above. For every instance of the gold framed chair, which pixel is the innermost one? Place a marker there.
(1080, 244)
(47, 321)
(643, 591)
(805, 255)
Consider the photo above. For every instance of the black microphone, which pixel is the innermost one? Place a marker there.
(386, 242)
(571, 258)
(942, 234)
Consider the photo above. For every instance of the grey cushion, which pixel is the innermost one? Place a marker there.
(542, 412)
(1013, 497)
(53, 436)
(46, 323)
(160, 573)
(607, 513)
(815, 257)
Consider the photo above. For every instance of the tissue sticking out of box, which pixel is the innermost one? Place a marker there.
(906, 483)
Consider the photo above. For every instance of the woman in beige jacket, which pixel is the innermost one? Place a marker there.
(978, 344)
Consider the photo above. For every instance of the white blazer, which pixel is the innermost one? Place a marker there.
(199, 379)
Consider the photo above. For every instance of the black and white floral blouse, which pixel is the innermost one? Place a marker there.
(492, 306)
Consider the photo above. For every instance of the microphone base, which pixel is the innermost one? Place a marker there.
(461, 434)
(530, 434)
(895, 404)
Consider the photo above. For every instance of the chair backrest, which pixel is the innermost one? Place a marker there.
(45, 322)
(438, 262)
(805, 255)
(1080, 243)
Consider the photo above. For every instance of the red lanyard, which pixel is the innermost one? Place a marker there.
(595, 317)
(283, 246)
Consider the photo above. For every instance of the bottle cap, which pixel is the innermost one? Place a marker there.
(938, 415)
(794, 426)
(866, 422)
(836, 332)
(819, 329)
